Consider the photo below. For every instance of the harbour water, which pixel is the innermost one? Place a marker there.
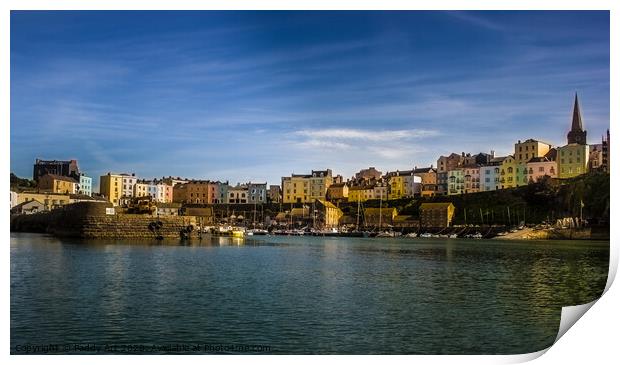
(297, 295)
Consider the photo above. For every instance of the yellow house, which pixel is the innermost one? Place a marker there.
(397, 185)
(507, 173)
(58, 184)
(572, 160)
(49, 200)
(306, 188)
(360, 193)
(111, 186)
(329, 214)
(528, 149)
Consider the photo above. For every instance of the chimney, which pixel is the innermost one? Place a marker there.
(492, 154)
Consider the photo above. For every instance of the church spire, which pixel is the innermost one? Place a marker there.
(577, 126)
(576, 134)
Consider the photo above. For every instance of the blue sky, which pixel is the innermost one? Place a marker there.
(258, 95)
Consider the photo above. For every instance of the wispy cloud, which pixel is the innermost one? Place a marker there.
(367, 134)
(477, 20)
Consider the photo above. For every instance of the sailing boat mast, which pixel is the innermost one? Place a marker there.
(357, 224)
(380, 206)
(254, 218)
(314, 214)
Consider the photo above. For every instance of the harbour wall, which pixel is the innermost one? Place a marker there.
(89, 220)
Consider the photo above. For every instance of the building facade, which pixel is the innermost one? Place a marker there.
(338, 192)
(539, 167)
(368, 174)
(508, 174)
(456, 181)
(238, 194)
(605, 163)
(490, 177)
(471, 179)
(67, 168)
(58, 184)
(531, 148)
(436, 215)
(398, 181)
(195, 192)
(428, 180)
(572, 160)
(49, 200)
(361, 193)
(111, 187)
(306, 188)
(444, 165)
(85, 185)
(129, 181)
(595, 157)
(257, 193)
(275, 194)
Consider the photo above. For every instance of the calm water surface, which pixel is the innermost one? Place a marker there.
(301, 295)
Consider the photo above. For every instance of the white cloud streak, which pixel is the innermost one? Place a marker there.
(366, 135)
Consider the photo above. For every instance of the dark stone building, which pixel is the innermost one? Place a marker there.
(55, 167)
(436, 215)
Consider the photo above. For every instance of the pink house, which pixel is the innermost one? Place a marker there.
(538, 167)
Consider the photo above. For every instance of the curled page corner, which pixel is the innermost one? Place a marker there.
(613, 269)
(570, 315)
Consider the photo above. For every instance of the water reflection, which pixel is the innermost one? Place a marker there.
(302, 294)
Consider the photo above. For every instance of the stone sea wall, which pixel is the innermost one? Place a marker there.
(137, 226)
(89, 220)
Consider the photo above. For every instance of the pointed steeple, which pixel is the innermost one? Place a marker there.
(576, 134)
(576, 116)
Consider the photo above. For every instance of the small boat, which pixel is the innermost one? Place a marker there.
(238, 232)
(453, 235)
(426, 235)
(411, 235)
(478, 235)
(257, 232)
